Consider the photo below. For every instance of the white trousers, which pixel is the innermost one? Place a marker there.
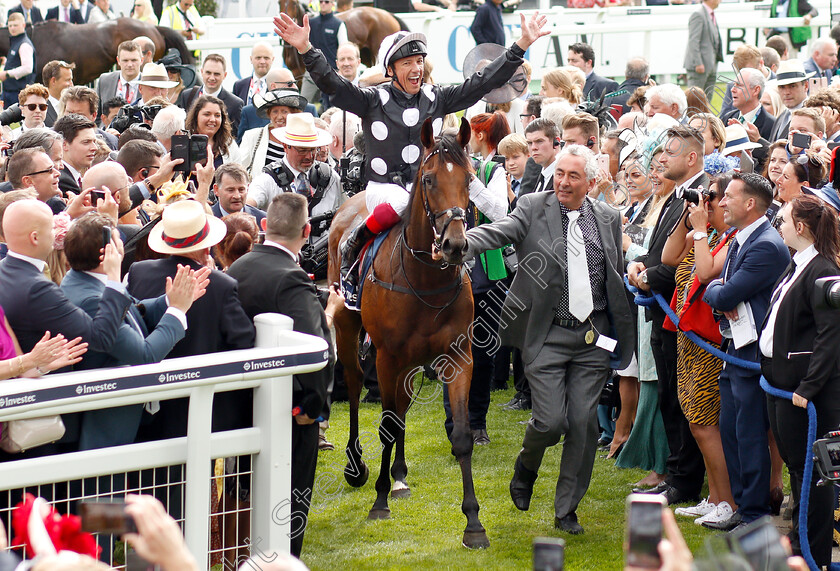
(377, 193)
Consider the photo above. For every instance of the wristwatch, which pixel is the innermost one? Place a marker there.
(643, 277)
(700, 236)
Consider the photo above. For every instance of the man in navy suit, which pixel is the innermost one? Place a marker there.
(582, 56)
(277, 78)
(262, 58)
(230, 184)
(755, 261)
(213, 73)
(823, 58)
(746, 98)
(34, 304)
(147, 333)
(31, 13)
(66, 13)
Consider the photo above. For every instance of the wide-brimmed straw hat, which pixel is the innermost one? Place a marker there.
(300, 131)
(186, 227)
(792, 71)
(154, 75)
(277, 97)
(737, 140)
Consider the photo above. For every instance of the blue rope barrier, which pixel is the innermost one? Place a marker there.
(804, 497)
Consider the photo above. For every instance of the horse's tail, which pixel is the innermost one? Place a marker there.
(403, 26)
(172, 39)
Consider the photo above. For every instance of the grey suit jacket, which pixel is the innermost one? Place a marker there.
(780, 127)
(535, 228)
(106, 87)
(704, 44)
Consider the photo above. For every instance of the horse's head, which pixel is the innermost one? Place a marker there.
(444, 180)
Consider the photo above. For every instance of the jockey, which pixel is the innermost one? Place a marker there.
(393, 114)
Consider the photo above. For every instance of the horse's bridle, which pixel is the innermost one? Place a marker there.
(452, 214)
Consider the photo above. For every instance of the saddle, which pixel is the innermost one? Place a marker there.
(364, 263)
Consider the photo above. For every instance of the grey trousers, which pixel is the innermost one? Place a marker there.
(566, 379)
(705, 81)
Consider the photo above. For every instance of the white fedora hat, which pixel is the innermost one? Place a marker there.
(186, 227)
(300, 131)
(737, 140)
(792, 71)
(154, 75)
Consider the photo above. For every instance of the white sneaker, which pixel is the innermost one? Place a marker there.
(722, 512)
(703, 508)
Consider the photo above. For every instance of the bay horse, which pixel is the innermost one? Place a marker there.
(416, 311)
(366, 27)
(93, 47)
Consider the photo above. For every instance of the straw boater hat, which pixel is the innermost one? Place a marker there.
(186, 227)
(300, 131)
(792, 71)
(154, 75)
(278, 97)
(737, 140)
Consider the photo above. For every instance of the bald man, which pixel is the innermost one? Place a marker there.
(110, 175)
(147, 49)
(35, 304)
(276, 78)
(262, 58)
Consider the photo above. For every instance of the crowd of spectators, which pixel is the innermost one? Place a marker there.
(726, 209)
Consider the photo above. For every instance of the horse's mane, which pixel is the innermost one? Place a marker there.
(449, 150)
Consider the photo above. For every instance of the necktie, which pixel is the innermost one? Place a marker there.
(742, 119)
(302, 185)
(733, 255)
(28, 17)
(514, 186)
(67, 14)
(580, 290)
(714, 20)
(788, 274)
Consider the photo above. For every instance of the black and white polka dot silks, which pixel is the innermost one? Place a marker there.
(392, 119)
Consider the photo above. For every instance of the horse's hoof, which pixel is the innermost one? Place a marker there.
(356, 478)
(476, 540)
(400, 490)
(377, 513)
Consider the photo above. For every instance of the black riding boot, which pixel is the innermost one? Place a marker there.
(350, 250)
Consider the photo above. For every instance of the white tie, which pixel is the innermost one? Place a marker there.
(580, 291)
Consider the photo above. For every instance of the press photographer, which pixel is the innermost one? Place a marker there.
(134, 115)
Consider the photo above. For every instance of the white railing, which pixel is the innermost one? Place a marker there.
(268, 369)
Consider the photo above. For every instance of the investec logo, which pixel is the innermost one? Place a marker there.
(9, 401)
(260, 365)
(100, 388)
(174, 377)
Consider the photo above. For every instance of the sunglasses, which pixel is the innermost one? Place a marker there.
(38, 106)
(45, 171)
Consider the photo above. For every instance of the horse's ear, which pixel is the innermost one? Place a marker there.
(427, 135)
(464, 133)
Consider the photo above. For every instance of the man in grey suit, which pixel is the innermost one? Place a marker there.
(704, 48)
(565, 322)
(792, 81)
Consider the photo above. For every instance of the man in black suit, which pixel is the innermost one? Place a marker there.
(582, 56)
(683, 163)
(31, 13)
(34, 304)
(270, 280)
(543, 138)
(65, 12)
(213, 73)
(262, 58)
(230, 184)
(83, 101)
(79, 149)
(746, 97)
(217, 321)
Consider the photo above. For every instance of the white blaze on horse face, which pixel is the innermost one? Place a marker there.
(450, 167)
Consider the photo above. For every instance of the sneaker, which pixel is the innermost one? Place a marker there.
(703, 508)
(722, 512)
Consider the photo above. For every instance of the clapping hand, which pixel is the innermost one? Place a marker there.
(51, 353)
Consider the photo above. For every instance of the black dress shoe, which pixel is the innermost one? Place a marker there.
(521, 404)
(569, 524)
(512, 401)
(726, 525)
(603, 441)
(522, 486)
(480, 437)
(675, 496)
(657, 489)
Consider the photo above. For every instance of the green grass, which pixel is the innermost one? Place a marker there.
(425, 530)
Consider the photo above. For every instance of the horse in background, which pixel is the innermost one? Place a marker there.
(93, 47)
(416, 311)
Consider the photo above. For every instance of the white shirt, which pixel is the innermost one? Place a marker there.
(40, 264)
(690, 181)
(548, 175)
(77, 176)
(173, 311)
(27, 62)
(801, 259)
(750, 117)
(279, 246)
(54, 102)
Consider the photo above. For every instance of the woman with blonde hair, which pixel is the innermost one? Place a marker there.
(560, 83)
(144, 12)
(771, 100)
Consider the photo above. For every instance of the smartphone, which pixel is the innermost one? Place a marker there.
(604, 162)
(549, 553)
(198, 150)
(644, 530)
(801, 140)
(95, 195)
(108, 518)
(761, 543)
(180, 149)
(106, 236)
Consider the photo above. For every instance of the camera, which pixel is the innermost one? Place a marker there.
(314, 255)
(352, 172)
(694, 195)
(828, 292)
(192, 149)
(132, 115)
(827, 457)
(549, 554)
(108, 518)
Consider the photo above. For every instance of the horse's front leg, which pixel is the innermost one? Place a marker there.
(389, 427)
(399, 470)
(457, 379)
